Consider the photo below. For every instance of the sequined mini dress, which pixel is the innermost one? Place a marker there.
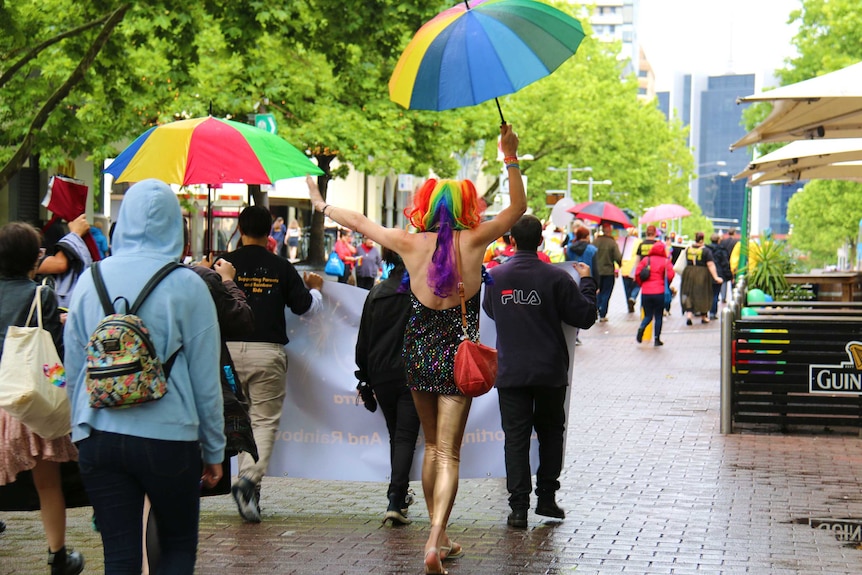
(430, 341)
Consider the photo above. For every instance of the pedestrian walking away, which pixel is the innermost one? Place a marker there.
(270, 284)
(607, 257)
(20, 448)
(660, 274)
(447, 215)
(383, 380)
(123, 453)
(696, 287)
(533, 363)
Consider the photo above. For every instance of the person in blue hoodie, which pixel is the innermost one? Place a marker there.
(163, 449)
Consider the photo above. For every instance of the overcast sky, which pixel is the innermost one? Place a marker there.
(714, 36)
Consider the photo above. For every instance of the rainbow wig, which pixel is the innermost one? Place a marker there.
(445, 206)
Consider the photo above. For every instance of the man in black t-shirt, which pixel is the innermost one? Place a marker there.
(270, 283)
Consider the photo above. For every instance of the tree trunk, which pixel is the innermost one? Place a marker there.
(316, 251)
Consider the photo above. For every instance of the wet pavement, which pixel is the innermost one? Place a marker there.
(650, 486)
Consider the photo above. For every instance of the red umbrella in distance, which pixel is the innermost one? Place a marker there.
(598, 211)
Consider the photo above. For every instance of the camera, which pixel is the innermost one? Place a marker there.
(365, 392)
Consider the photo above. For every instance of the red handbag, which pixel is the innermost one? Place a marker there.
(475, 363)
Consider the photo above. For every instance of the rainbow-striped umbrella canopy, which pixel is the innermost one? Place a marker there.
(473, 52)
(210, 151)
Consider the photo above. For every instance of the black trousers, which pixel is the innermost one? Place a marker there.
(402, 422)
(523, 409)
(365, 282)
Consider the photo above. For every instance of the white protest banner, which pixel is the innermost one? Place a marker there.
(325, 434)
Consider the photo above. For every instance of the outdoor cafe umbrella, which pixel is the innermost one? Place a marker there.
(210, 151)
(799, 160)
(599, 211)
(664, 212)
(477, 51)
(828, 106)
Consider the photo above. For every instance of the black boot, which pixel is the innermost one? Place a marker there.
(65, 562)
(547, 506)
(395, 512)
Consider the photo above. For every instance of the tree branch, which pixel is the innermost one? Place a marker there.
(23, 151)
(7, 75)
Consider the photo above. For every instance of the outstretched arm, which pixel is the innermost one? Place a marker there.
(393, 239)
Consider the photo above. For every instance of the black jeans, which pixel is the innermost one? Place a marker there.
(523, 409)
(653, 306)
(396, 403)
(117, 471)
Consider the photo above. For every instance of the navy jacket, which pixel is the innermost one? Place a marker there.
(530, 300)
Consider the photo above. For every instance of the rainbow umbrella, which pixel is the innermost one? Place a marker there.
(210, 151)
(471, 53)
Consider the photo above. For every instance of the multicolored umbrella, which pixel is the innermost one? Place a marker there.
(600, 211)
(472, 53)
(210, 151)
(664, 212)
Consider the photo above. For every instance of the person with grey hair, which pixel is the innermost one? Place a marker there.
(530, 301)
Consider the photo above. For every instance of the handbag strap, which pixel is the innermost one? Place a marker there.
(36, 305)
(461, 285)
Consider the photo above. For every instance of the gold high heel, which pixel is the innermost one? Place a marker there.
(435, 565)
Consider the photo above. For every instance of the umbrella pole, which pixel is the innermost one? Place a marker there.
(499, 109)
(208, 243)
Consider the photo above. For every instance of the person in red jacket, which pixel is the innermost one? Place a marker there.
(652, 289)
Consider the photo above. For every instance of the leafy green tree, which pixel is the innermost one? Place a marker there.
(825, 215)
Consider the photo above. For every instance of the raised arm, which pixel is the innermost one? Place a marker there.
(502, 222)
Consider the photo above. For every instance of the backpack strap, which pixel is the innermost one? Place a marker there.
(151, 285)
(154, 281)
(101, 289)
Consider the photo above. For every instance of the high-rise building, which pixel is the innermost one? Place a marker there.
(616, 21)
(707, 104)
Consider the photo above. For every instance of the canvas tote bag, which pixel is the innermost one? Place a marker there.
(32, 378)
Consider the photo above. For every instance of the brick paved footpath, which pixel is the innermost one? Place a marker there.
(650, 487)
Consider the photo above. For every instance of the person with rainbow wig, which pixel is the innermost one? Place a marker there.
(447, 215)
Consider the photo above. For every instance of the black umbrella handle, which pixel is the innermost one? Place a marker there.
(502, 119)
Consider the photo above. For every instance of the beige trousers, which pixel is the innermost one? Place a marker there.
(261, 368)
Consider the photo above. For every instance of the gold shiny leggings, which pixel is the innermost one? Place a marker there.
(444, 418)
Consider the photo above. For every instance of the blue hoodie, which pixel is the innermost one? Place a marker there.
(179, 313)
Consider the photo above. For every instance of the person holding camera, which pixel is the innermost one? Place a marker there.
(382, 379)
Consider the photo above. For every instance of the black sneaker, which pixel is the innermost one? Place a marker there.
(244, 494)
(65, 562)
(517, 519)
(395, 513)
(631, 303)
(549, 508)
(640, 336)
(659, 343)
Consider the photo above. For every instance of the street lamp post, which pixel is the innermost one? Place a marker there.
(569, 169)
(591, 182)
